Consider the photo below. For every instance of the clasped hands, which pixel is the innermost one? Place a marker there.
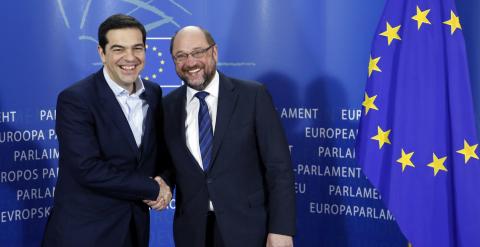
(164, 196)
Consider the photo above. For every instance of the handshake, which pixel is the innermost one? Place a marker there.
(164, 196)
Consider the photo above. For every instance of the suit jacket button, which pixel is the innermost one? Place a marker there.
(209, 180)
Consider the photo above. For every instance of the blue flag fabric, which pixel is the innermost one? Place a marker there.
(417, 140)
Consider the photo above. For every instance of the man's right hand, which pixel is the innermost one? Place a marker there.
(164, 196)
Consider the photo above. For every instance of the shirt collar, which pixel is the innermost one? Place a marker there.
(211, 89)
(118, 91)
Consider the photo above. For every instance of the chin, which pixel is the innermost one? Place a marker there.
(193, 83)
(130, 79)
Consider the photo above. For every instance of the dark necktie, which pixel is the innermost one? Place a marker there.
(205, 133)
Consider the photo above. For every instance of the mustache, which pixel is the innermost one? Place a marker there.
(187, 68)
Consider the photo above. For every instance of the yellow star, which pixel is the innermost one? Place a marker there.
(468, 151)
(421, 17)
(437, 164)
(405, 160)
(372, 65)
(369, 103)
(381, 137)
(454, 22)
(391, 33)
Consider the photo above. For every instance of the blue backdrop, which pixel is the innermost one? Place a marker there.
(312, 55)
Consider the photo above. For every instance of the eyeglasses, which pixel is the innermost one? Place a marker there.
(197, 54)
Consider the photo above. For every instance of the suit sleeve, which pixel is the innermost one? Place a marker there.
(275, 156)
(81, 157)
(166, 169)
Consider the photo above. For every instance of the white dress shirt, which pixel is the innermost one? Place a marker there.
(133, 106)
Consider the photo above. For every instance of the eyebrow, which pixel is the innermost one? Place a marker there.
(123, 47)
(194, 49)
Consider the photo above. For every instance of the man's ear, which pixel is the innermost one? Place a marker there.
(215, 53)
(101, 53)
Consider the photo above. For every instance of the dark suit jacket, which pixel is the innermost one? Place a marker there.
(103, 174)
(250, 180)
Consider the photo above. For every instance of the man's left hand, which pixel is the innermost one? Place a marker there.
(277, 240)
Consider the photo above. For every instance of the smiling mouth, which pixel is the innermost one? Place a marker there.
(128, 67)
(193, 71)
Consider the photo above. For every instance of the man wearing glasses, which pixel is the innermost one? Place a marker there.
(231, 163)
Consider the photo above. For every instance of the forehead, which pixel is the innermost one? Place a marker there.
(124, 37)
(187, 40)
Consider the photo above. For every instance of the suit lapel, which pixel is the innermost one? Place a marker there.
(182, 115)
(227, 99)
(148, 121)
(111, 107)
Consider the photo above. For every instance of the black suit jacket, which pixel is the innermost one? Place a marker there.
(103, 174)
(250, 180)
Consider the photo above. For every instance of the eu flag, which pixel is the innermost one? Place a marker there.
(417, 140)
(160, 67)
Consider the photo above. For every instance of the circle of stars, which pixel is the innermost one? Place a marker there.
(383, 136)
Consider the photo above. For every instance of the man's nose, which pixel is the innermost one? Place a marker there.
(129, 54)
(190, 60)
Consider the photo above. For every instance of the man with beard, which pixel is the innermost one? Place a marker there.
(231, 163)
(109, 148)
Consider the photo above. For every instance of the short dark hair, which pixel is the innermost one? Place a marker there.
(208, 37)
(118, 21)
